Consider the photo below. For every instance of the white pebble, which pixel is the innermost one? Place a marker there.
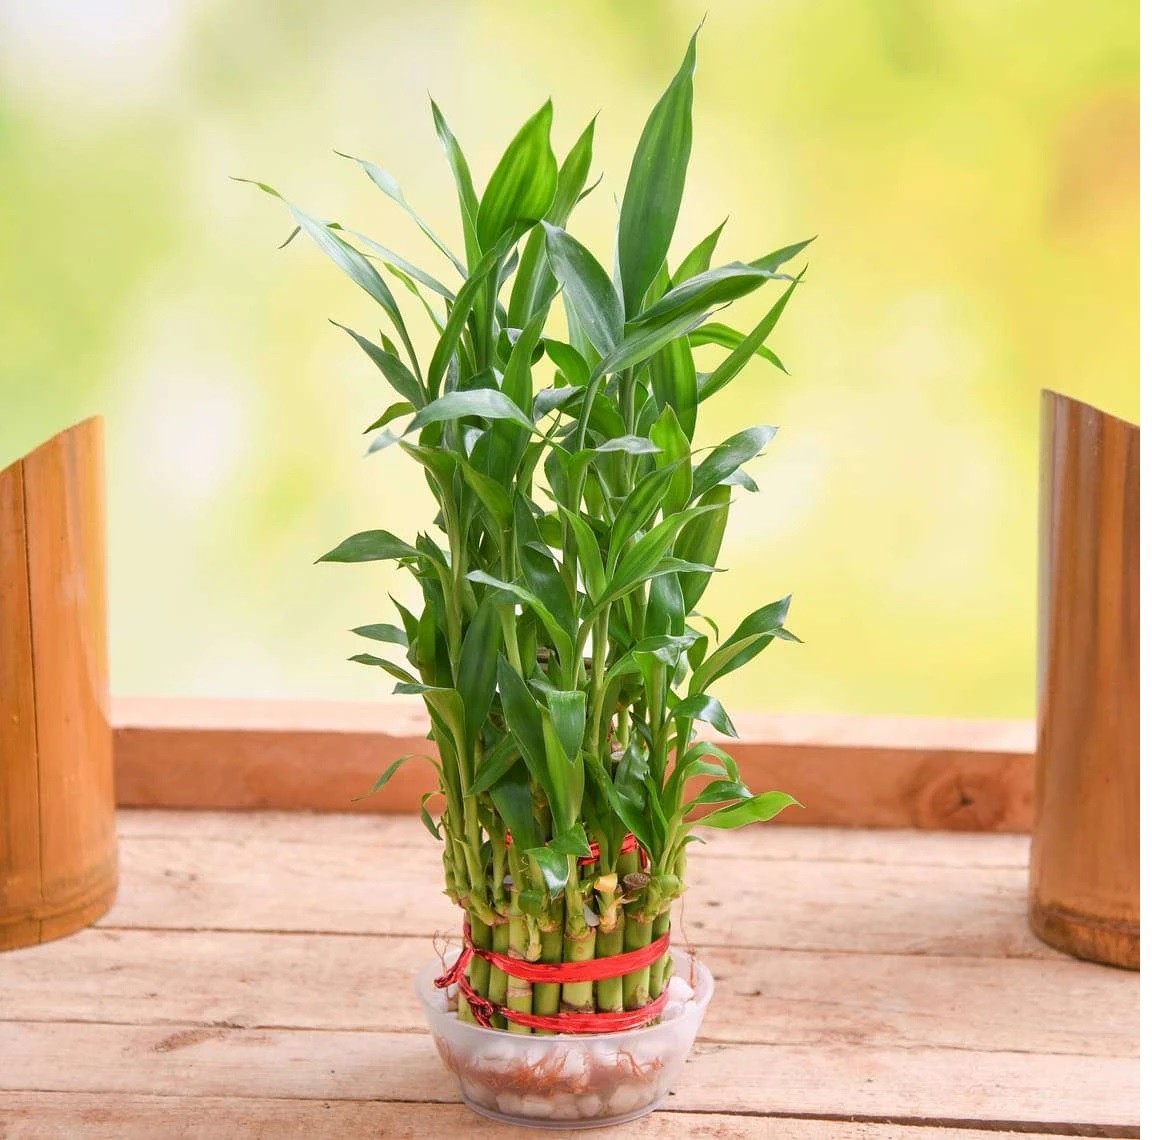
(565, 1106)
(672, 1010)
(510, 1104)
(590, 1105)
(680, 989)
(625, 1098)
(536, 1107)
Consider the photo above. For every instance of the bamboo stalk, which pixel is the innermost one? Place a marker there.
(637, 935)
(519, 992)
(579, 945)
(546, 995)
(497, 978)
(662, 968)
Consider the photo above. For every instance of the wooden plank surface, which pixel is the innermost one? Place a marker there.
(312, 1064)
(758, 842)
(868, 1008)
(266, 880)
(324, 981)
(850, 770)
(34, 1116)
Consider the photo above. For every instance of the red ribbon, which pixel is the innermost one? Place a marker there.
(598, 969)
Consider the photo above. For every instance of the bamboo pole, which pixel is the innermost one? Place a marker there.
(1085, 874)
(57, 806)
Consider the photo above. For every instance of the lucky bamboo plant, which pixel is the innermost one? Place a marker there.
(558, 647)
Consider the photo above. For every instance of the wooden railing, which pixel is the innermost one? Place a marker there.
(849, 771)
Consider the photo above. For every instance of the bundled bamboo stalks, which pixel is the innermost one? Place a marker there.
(557, 644)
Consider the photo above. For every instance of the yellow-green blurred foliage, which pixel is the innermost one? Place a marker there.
(969, 165)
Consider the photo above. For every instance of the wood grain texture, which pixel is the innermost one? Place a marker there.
(858, 1081)
(87, 1116)
(319, 756)
(175, 1017)
(21, 884)
(59, 773)
(271, 881)
(326, 981)
(1085, 880)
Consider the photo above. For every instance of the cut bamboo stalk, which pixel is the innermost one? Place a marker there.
(57, 804)
(1085, 873)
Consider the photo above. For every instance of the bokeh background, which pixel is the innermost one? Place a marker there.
(970, 167)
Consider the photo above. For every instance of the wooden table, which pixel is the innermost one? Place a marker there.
(253, 980)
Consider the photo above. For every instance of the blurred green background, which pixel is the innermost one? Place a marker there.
(970, 167)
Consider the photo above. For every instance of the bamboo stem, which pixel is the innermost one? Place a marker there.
(546, 995)
(637, 935)
(519, 992)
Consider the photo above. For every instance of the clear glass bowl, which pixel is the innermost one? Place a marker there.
(568, 1081)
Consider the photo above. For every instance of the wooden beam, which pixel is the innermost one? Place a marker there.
(849, 771)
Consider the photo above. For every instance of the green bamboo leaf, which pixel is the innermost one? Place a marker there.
(655, 186)
(567, 713)
(669, 437)
(484, 402)
(392, 412)
(495, 498)
(641, 342)
(573, 176)
(730, 656)
(553, 866)
(383, 631)
(724, 336)
(733, 453)
(641, 560)
(523, 184)
(525, 720)
(642, 502)
(517, 382)
(588, 551)
(426, 816)
(370, 546)
(566, 772)
(402, 268)
(569, 361)
(722, 791)
(391, 771)
(469, 204)
(561, 638)
(664, 648)
(494, 763)
(630, 810)
(359, 269)
(773, 261)
(708, 290)
(512, 795)
(574, 841)
(393, 369)
(701, 539)
(382, 179)
(700, 257)
(630, 445)
(448, 344)
(700, 706)
(672, 376)
(534, 280)
(759, 809)
(587, 288)
(739, 357)
(390, 667)
(476, 673)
